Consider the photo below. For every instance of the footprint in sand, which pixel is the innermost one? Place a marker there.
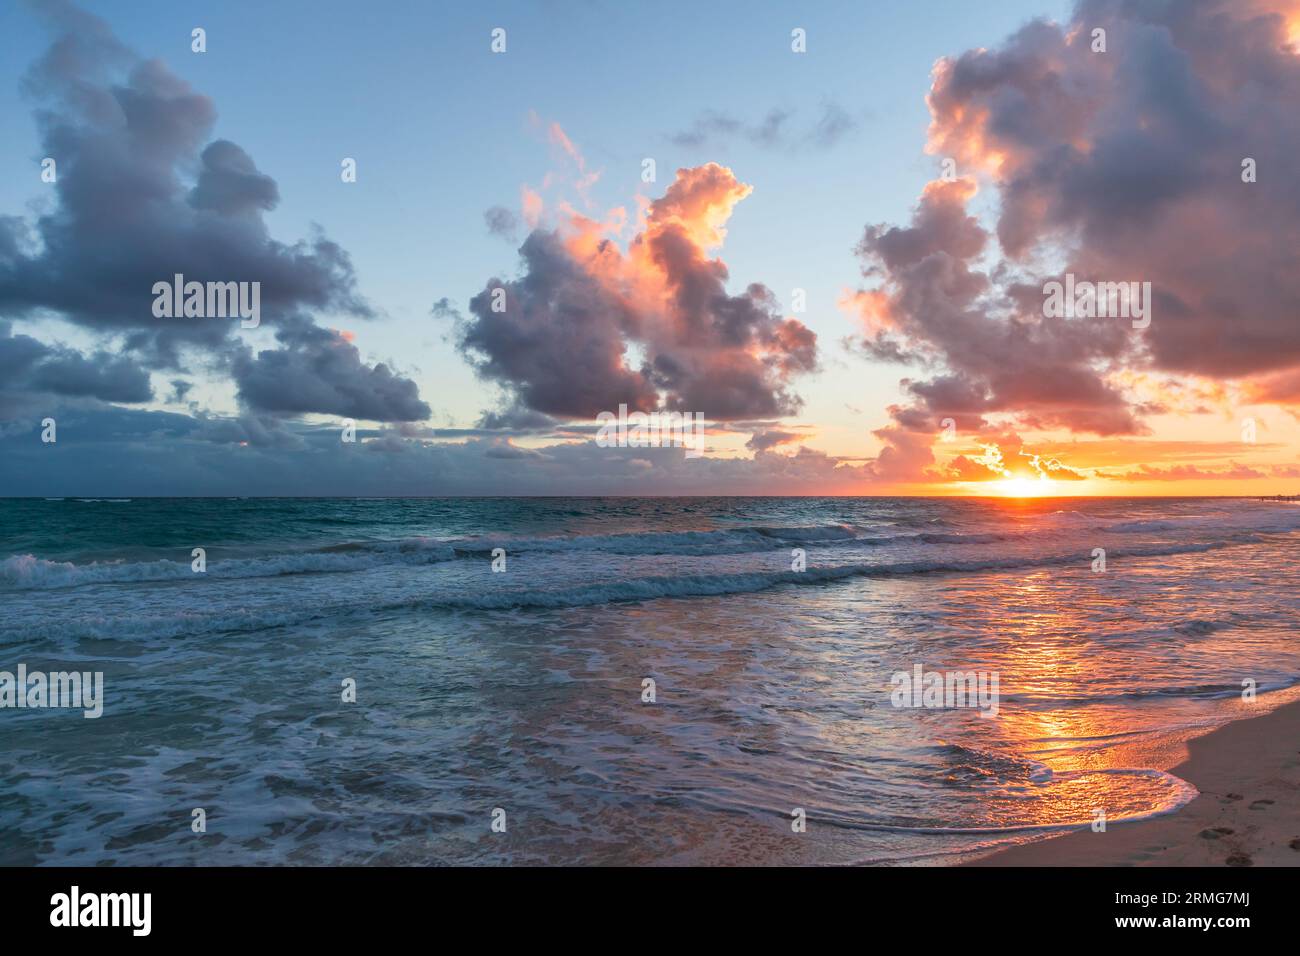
(1230, 797)
(1215, 832)
(1261, 804)
(1239, 859)
(1295, 844)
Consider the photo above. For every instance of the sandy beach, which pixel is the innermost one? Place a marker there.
(1247, 814)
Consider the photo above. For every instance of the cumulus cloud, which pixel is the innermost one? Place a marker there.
(588, 326)
(1116, 166)
(320, 370)
(936, 300)
(1130, 163)
(29, 365)
(143, 194)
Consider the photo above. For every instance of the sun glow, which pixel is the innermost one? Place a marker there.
(1023, 487)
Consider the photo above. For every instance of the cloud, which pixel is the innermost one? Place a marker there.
(1235, 472)
(558, 340)
(1054, 469)
(946, 311)
(320, 370)
(115, 451)
(245, 430)
(504, 448)
(1280, 388)
(27, 364)
(967, 468)
(516, 419)
(1117, 166)
(650, 327)
(143, 194)
(770, 438)
(501, 222)
(906, 455)
(230, 184)
(1128, 164)
(778, 129)
(1126, 453)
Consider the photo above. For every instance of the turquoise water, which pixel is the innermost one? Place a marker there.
(521, 689)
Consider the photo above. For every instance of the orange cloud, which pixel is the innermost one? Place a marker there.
(651, 323)
(700, 201)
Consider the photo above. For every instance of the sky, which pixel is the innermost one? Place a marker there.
(826, 230)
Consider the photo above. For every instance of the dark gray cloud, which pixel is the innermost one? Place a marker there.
(785, 129)
(1129, 163)
(945, 309)
(319, 370)
(100, 375)
(142, 194)
(230, 184)
(1117, 166)
(516, 419)
(27, 364)
(501, 222)
(560, 338)
(770, 438)
(124, 219)
(259, 431)
(119, 452)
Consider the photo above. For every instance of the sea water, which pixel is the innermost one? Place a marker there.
(629, 681)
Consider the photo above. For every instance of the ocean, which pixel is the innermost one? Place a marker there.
(641, 681)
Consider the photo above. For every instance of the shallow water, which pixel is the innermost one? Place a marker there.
(522, 689)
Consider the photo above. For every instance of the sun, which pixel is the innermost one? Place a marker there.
(1023, 487)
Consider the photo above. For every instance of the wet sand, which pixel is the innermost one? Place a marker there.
(1247, 814)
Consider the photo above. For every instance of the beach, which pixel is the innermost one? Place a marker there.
(1247, 813)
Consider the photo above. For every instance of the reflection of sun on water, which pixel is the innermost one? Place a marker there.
(1048, 658)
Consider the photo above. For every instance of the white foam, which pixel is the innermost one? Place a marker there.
(29, 571)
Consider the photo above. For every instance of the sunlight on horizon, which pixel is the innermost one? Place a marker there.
(1024, 487)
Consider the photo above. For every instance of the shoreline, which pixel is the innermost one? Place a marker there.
(1246, 814)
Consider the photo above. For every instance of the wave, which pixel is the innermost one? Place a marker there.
(1181, 793)
(1217, 691)
(318, 605)
(1140, 527)
(1264, 521)
(990, 537)
(25, 571)
(735, 541)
